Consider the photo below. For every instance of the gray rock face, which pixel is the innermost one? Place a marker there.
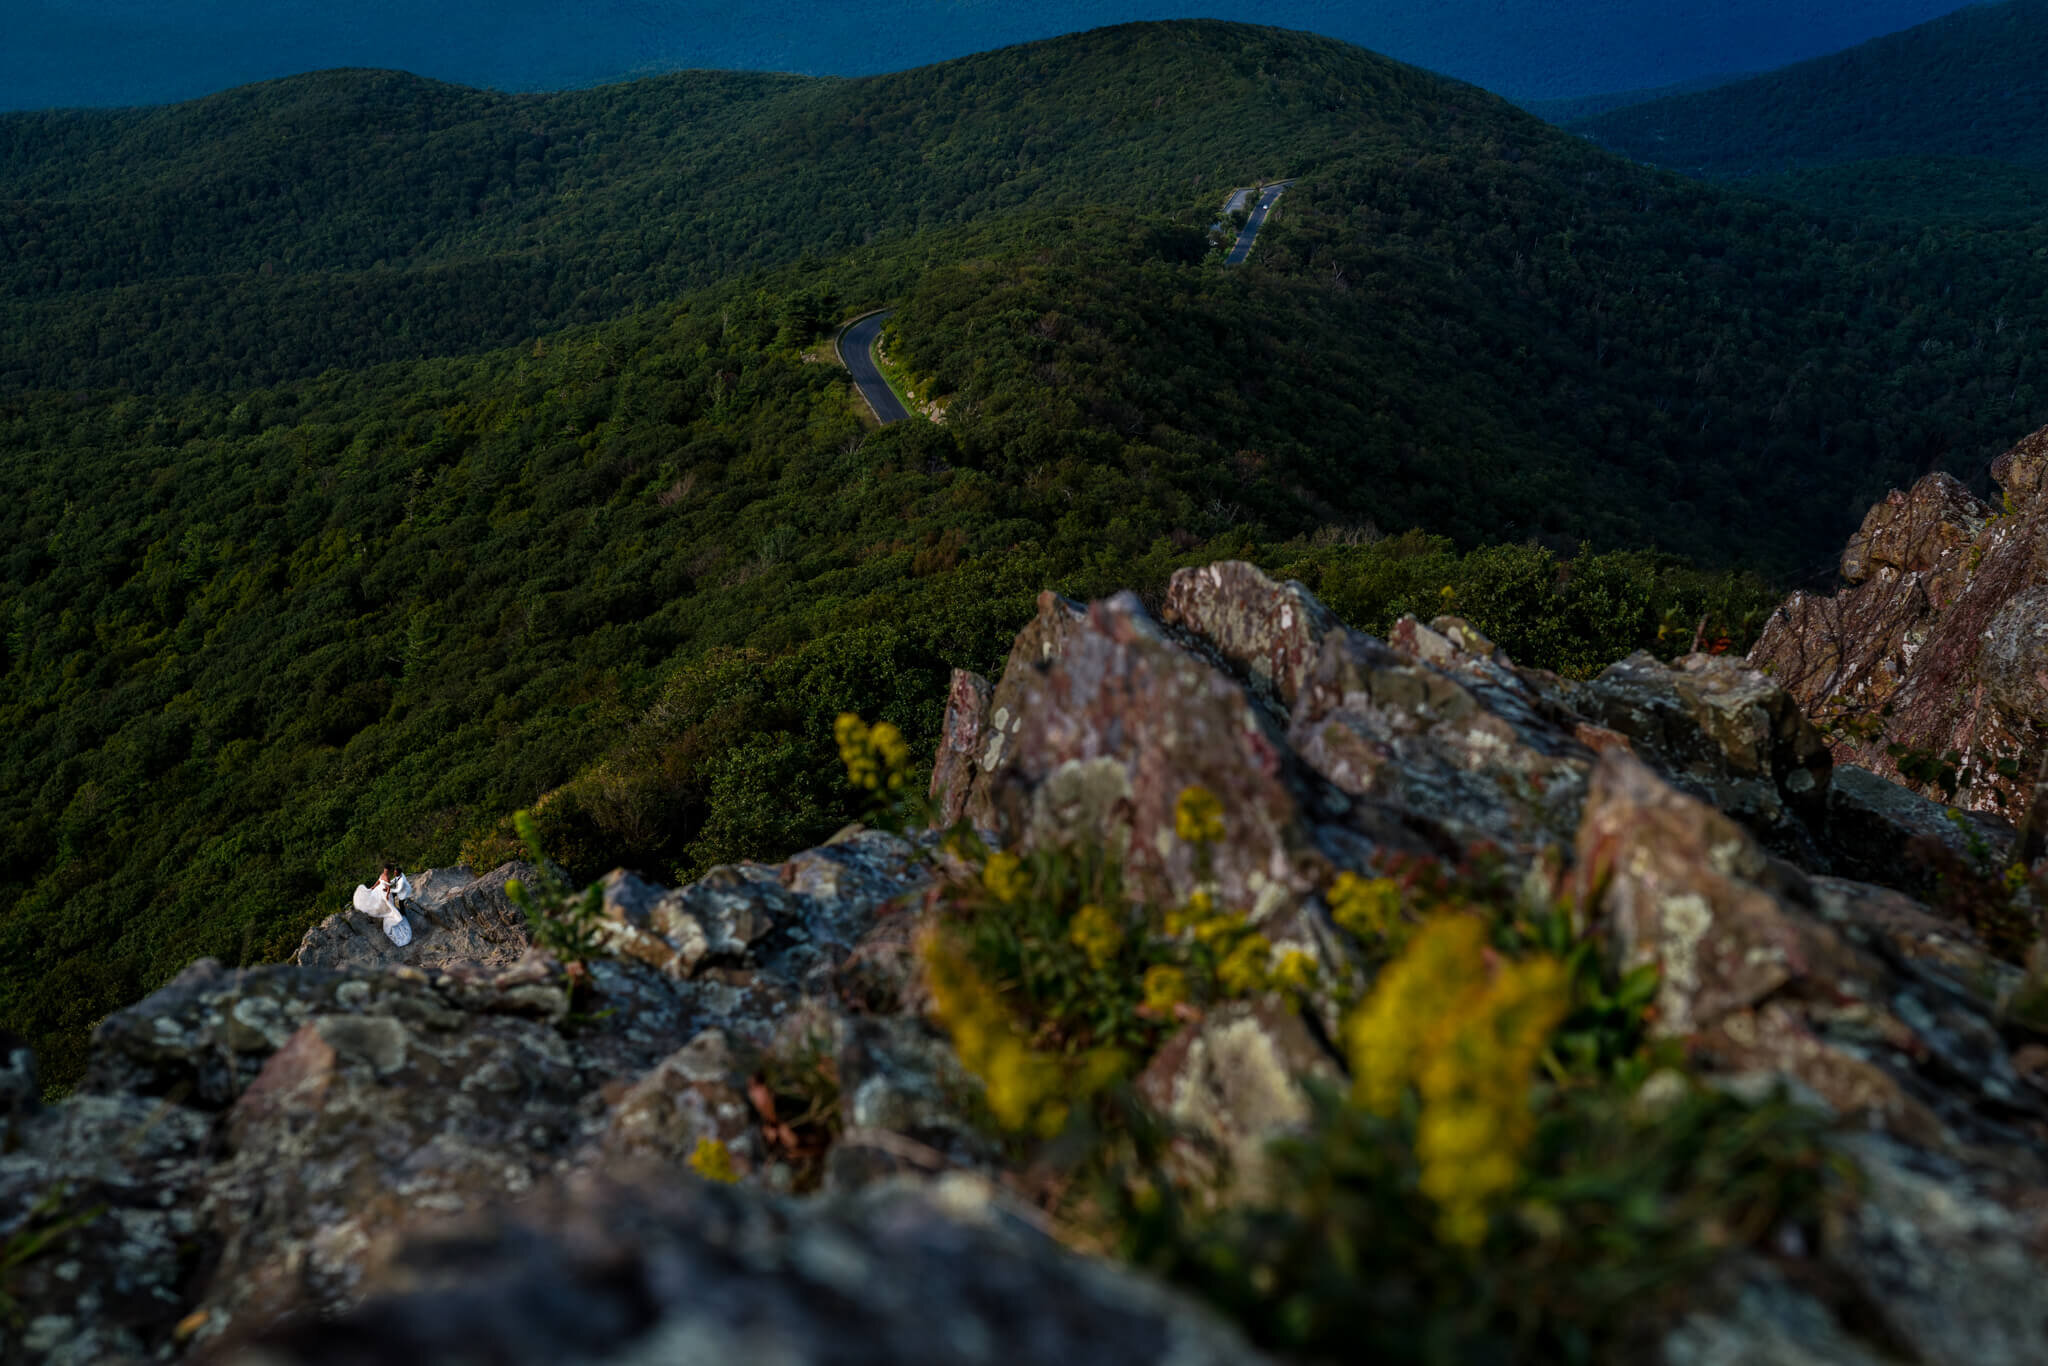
(1954, 1270)
(263, 1139)
(697, 1275)
(1233, 1082)
(2014, 664)
(460, 918)
(1724, 731)
(1872, 824)
(135, 1170)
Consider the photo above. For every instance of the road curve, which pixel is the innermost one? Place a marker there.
(856, 347)
(1255, 222)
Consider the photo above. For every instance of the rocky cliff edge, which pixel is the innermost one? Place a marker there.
(467, 1150)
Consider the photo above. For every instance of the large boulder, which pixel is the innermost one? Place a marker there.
(1231, 1083)
(1726, 732)
(1929, 665)
(658, 1271)
(1765, 970)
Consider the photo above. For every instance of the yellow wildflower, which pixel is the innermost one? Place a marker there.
(1198, 816)
(1022, 1086)
(1004, 876)
(1467, 1038)
(1165, 987)
(877, 757)
(713, 1161)
(1244, 970)
(1095, 931)
(1180, 919)
(1295, 972)
(1368, 907)
(1217, 928)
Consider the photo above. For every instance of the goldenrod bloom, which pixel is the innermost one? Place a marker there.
(1198, 908)
(1004, 876)
(713, 1161)
(1165, 986)
(1466, 1037)
(1022, 1086)
(1295, 972)
(1095, 931)
(876, 757)
(1218, 928)
(1244, 970)
(1368, 907)
(1198, 816)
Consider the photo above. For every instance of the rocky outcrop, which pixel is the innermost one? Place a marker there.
(690, 1274)
(1765, 969)
(253, 1144)
(1932, 664)
(1232, 1082)
(467, 1149)
(456, 917)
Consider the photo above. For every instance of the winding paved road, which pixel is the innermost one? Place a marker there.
(1254, 223)
(855, 343)
(856, 348)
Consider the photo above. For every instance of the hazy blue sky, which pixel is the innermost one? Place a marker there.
(55, 52)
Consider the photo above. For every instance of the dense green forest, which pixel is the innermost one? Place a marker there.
(378, 457)
(1967, 85)
(257, 643)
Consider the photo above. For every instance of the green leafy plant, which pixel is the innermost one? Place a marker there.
(562, 920)
(43, 1227)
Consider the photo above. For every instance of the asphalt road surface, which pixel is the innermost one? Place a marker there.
(1254, 223)
(857, 354)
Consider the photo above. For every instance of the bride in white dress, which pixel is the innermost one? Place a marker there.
(382, 899)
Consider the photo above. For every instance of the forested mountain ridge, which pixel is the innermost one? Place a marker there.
(154, 246)
(1971, 84)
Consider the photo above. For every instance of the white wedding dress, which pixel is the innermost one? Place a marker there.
(371, 901)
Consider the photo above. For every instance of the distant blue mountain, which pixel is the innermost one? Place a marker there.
(102, 52)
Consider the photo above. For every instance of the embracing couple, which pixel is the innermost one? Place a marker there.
(386, 899)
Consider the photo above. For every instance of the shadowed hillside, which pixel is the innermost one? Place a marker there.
(1968, 85)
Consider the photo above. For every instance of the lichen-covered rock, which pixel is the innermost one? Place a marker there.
(1765, 970)
(1272, 632)
(1433, 757)
(1943, 1257)
(1686, 888)
(1727, 733)
(694, 1274)
(1099, 739)
(906, 1102)
(696, 1093)
(1913, 531)
(113, 1288)
(364, 1120)
(1764, 1320)
(1234, 1081)
(2013, 666)
(962, 738)
(321, 1110)
(1930, 656)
